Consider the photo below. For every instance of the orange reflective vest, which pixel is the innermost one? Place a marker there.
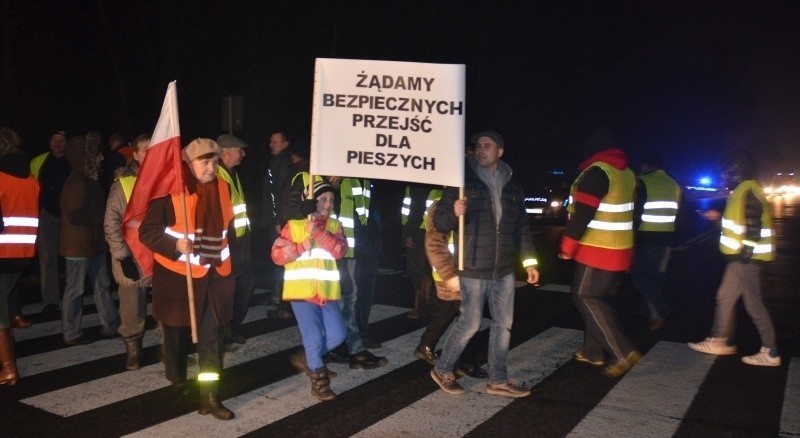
(176, 230)
(19, 198)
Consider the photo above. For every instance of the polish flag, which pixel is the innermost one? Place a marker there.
(160, 175)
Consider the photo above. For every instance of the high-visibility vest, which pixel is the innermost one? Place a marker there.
(20, 200)
(433, 195)
(314, 273)
(176, 230)
(127, 183)
(661, 205)
(241, 223)
(37, 162)
(733, 238)
(612, 225)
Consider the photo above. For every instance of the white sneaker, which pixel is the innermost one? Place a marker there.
(763, 358)
(715, 346)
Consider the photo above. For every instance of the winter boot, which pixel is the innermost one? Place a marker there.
(321, 385)
(9, 374)
(133, 351)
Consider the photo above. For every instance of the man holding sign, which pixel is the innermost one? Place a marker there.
(495, 232)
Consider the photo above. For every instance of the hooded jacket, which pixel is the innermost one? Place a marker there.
(491, 248)
(82, 201)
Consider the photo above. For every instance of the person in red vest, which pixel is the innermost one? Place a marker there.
(208, 220)
(19, 219)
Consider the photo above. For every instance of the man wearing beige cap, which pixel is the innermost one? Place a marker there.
(231, 156)
(209, 213)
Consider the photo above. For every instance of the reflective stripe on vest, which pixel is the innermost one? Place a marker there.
(733, 238)
(241, 223)
(612, 226)
(661, 208)
(314, 273)
(19, 198)
(176, 230)
(37, 162)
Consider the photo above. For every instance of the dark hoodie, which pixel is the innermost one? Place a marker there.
(82, 201)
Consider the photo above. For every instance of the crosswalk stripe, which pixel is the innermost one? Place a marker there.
(100, 392)
(273, 402)
(652, 399)
(790, 420)
(444, 415)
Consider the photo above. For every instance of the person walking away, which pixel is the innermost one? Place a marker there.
(747, 245)
(19, 218)
(658, 197)
(209, 213)
(599, 237)
(127, 273)
(308, 250)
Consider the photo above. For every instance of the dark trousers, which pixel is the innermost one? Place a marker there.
(210, 348)
(442, 314)
(245, 284)
(592, 292)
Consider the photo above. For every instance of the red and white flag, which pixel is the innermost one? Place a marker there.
(160, 175)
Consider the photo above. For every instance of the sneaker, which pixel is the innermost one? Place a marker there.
(507, 389)
(365, 360)
(715, 346)
(580, 357)
(622, 366)
(447, 381)
(765, 358)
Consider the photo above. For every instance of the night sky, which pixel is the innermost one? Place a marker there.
(685, 79)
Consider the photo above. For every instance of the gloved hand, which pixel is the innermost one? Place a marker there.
(129, 268)
(308, 206)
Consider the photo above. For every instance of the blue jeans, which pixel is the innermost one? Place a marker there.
(474, 293)
(72, 304)
(647, 273)
(321, 328)
(347, 304)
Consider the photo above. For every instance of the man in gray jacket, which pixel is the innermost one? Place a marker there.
(496, 232)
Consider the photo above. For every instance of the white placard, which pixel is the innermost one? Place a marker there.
(392, 120)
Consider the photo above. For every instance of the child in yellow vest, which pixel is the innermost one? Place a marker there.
(308, 250)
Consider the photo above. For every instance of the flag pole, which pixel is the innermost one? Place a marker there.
(461, 233)
(189, 283)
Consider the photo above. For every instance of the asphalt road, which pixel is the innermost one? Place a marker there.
(674, 391)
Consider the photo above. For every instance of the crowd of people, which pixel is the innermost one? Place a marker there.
(324, 237)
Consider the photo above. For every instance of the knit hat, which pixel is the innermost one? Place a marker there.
(321, 187)
(198, 147)
(491, 134)
(230, 141)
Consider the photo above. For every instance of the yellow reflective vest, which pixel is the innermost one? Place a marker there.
(314, 273)
(241, 223)
(733, 237)
(661, 206)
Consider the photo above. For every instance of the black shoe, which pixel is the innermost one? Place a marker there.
(425, 353)
(210, 405)
(365, 360)
(236, 338)
(80, 340)
(51, 310)
(372, 344)
(471, 370)
(335, 358)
